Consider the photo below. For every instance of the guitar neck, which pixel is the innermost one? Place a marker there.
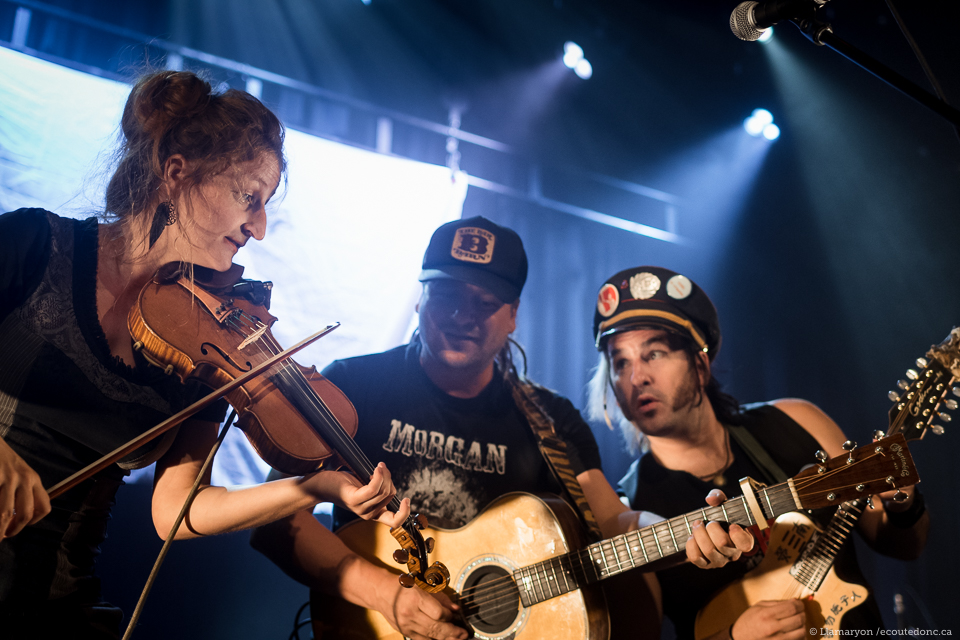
(564, 573)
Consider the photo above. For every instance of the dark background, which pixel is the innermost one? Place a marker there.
(830, 253)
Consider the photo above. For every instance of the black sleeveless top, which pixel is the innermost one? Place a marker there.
(669, 493)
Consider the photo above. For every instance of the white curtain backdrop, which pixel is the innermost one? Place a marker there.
(345, 237)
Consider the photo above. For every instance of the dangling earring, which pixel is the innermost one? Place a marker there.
(606, 416)
(165, 215)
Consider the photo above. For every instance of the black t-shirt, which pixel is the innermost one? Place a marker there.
(452, 456)
(651, 487)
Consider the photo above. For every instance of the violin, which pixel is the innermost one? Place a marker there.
(295, 419)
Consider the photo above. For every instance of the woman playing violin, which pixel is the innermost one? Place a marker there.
(195, 170)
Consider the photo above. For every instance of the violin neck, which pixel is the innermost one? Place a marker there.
(323, 421)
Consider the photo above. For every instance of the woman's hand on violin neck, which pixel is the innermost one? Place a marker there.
(23, 499)
(369, 501)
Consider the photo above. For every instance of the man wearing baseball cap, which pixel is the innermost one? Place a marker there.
(658, 335)
(454, 420)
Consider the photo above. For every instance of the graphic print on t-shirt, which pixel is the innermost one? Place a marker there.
(443, 468)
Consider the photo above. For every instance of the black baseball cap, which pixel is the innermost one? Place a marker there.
(480, 252)
(645, 296)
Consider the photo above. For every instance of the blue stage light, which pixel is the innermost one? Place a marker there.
(760, 123)
(572, 54)
(766, 35)
(584, 69)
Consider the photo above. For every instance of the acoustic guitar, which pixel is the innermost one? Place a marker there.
(522, 570)
(799, 562)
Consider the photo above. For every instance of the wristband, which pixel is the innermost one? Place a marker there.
(908, 518)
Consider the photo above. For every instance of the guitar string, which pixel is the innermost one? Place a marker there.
(539, 573)
(618, 546)
(540, 580)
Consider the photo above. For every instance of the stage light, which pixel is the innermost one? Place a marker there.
(572, 54)
(584, 69)
(766, 35)
(763, 116)
(760, 123)
(753, 126)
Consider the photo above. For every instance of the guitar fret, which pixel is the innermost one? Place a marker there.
(565, 573)
(539, 584)
(643, 548)
(602, 561)
(554, 583)
(626, 545)
(526, 583)
(657, 540)
(672, 537)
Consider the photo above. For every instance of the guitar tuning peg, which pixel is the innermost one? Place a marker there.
(956, 391)
(870, 502)
(912, 374)
(878, 435)
(407, 580)
(937, 430)
(821, 457)
(893, 396)
(849, 445)
(401, 556)
(421, 521)
(903, 384)
(946, 417)
(429, 543)
(950, 403)
(922, 363)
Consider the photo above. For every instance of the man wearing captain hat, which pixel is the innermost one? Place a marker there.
(447, 414)
(658, 334)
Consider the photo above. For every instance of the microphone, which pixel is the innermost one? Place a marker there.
(750, 19)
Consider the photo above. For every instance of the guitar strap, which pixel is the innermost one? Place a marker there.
(757, 454)
(554, 450)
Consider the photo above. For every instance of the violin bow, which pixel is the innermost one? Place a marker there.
(182, 415)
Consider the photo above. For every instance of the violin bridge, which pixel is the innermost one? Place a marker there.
(253, 337)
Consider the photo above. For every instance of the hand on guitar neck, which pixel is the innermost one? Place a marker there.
(712, 545)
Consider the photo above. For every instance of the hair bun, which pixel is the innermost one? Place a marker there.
(162, 98)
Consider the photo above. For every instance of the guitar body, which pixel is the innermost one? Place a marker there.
(515, 530)
(772, 580)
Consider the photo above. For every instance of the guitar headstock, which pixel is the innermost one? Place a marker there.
(413, 553)
(880, 466)
(920, 398)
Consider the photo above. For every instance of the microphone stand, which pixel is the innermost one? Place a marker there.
(821, 33)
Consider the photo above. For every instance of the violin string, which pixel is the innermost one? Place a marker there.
(251, 326)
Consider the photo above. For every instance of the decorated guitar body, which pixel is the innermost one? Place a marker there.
(776, 578)
(800, 557)
(516, 530)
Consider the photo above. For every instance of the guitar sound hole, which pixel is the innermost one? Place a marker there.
(490, 599)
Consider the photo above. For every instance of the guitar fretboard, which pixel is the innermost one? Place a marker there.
(565, 573)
